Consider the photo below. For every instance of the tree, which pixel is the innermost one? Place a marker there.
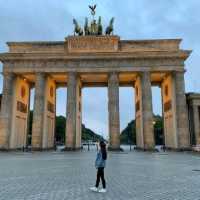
(60, 125)
(128, 135)
(60, 129)
(158, 130)
(30, 127)
(88, 134)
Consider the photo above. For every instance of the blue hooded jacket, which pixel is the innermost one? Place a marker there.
(100, 162)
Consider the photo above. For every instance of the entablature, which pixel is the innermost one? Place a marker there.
(89, 44)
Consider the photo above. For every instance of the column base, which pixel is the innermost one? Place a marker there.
(25, 149)
(181, 149)
(72, 148)
(42, 149)
(152, 149)
(115, 149)
(4, 149)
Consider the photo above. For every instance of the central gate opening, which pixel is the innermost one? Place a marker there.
(127, 117)
(60, 122)
(94, 115)
(157, 116)
(30, 119)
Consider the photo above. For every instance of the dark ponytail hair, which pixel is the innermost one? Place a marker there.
(103, 150)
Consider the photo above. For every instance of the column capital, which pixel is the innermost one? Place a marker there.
(113, 77)
(8, 74)
(113, 72)
(72, 73)
(40, 74)
(147, 73)
(178, 72)
(140, 74)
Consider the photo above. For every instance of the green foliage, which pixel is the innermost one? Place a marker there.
(128, 135)
(87, 134)
(60, 128)
(158, 130)
(30, 126)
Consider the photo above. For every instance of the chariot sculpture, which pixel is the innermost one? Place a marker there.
(95, 27)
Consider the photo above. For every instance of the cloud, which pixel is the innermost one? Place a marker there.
(134, 19)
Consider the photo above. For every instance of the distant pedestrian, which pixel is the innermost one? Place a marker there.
(100, 164)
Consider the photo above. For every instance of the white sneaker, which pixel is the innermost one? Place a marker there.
(94, 189)
(102, 190)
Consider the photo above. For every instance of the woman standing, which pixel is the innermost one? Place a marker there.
(100, 164)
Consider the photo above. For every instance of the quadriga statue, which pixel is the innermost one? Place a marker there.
(95, 28)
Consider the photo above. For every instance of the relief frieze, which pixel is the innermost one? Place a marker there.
(92, 44)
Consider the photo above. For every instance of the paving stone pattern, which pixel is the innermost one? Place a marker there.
(130, 176)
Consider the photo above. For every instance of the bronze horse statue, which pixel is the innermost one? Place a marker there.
(94, 28)
(77, 29)
(100, 28)
(109, 29)
(86, 27)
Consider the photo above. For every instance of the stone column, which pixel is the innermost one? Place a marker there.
(144, 113)
(18, 133)
(169, 111)
(38, 113)
(49, 114)
(193, 105)
(73, 119)
(147, 112)
(196, 122)
(181, 111)
(79, 114)
(6, 110)
(113, 111)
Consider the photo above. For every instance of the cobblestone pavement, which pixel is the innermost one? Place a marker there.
(129, 175)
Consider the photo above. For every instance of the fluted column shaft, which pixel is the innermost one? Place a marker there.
(144, 113)
(113, 111)
(181, 111)
(147, 111)
(71, 111)
(38, 113)
(6, 110)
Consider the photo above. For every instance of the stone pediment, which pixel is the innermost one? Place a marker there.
(87, 44)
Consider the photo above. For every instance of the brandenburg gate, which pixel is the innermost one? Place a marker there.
(85, 61)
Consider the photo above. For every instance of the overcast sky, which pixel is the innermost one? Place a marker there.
(29, 20)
